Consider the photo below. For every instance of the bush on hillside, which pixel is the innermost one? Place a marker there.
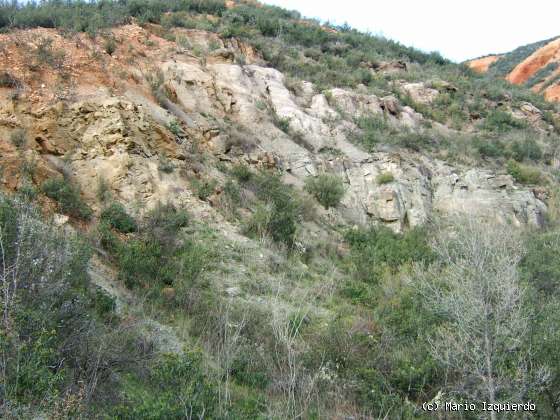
(490, 148)
(110, 45)
(501, 121)
(377, 249)
(242, 173)
(385, 178)
(55, 323)
(526, 149)
(117, 217)
(540, 266)
(374, 130)
(18, 138)
(68, 198)
(326, 188)
(175, 387)
(281, 211)
(523, 174)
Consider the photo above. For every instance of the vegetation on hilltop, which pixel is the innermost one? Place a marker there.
(504, 66)
(329, 56)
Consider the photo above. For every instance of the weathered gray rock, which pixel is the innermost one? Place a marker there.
(253, 97)
(419, 92)
(299, 130)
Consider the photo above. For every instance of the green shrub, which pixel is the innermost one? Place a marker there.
(285, 211)
(327, 189)
(258, 225)
(18, 138)
(523, 174)
(107, 238)
(48, 319)
(232, 193)
(540, 266)
(415, 140)
(550, 117)
(165, 219)
(175, 127)
(117, 217)
(385, 178)
(489, 148)
(175, 387)
(110, 45)
(281, 211)
(246, 371)
(204, 188)
(145, 263)
(142, 263)
(165, 165)
(501, 121)
(103, 303)
(158, 256)
(103, 192)
(68, 198)
(27, 192)
(283, 124)
(45, 54)
(526, 149)
(373, 130)
(377, 249)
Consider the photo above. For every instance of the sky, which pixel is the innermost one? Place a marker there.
(458, 29)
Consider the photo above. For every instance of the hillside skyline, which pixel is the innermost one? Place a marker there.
(424, 24)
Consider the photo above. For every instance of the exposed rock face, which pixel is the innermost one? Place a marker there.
(482, 194)
(123, 140)
(419, 92)
(425, 188)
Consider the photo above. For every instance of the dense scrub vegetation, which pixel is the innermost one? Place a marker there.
(328, 56)
(391, 299)
(64, 350)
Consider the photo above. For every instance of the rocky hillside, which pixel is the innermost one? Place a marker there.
(238, 206)
(120, 117)
(536, 66)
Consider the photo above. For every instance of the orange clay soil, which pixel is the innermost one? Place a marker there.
(540, 58)
(76, 65)
(480, 65)
(552, 93)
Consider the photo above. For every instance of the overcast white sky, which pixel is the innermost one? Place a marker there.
(458, 29)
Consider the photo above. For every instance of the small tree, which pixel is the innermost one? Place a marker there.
(327, 189)
(476, 289)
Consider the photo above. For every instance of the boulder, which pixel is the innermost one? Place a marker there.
(419, 92)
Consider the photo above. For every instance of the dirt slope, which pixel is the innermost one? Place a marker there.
(538, 68)
(480, 65)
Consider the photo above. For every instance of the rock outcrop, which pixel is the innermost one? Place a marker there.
(245, 112)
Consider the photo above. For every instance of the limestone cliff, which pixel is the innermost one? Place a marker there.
(120, 117)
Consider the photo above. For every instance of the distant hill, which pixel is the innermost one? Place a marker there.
(536, 66)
